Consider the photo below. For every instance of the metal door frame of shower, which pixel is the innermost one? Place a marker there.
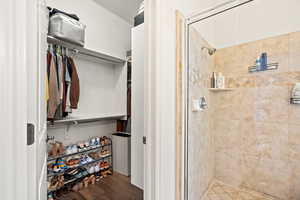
(189, 20)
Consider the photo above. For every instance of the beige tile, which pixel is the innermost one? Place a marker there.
(228, 62)
(295, 184)
(233, 105)
(294, 54)
(294, 41)
(214, 197)
(201, 160)
(284, 79)
(263, 79)
(250, 134)
(294, 61)
(277, 49)
(267, 176)
(267, 141)
(294, 144)
(227, 130)
(294, 113)
(277, 45)
(244, 81)
(228, 167)
(232, 193)
(271, 104)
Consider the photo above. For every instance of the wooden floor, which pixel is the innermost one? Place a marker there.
(115, 187)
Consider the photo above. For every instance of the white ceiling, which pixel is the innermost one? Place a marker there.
(126, 9)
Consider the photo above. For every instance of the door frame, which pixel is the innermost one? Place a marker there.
(13, 103)
(190, 20)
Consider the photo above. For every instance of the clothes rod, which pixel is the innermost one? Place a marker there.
(85, 52)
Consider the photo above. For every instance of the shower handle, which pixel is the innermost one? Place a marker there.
(203, 103)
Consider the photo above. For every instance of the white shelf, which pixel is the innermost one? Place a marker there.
(220, 89)
(78, 120)
(86, 52)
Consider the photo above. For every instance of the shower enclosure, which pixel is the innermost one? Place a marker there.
(243, 136)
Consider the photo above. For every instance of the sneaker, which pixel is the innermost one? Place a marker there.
(91, 169)
(69, 150)
(74, 149)
(83, 160)
(97, 168)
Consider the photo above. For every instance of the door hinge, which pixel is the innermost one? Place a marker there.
(144, 140)
(30, 134)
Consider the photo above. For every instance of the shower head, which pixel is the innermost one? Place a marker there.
(211, 51)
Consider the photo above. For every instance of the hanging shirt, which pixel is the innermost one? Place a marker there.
(75, 87)
(47, 88)
(54, 95)
(66, 106)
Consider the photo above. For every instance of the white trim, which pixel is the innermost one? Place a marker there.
(185, 107)
(149, 162)
(13, 145)
(219, 8)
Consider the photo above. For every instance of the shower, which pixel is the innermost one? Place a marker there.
(211, 51)
(239, 147)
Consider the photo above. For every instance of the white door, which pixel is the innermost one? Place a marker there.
(137, 108)
(36, 100)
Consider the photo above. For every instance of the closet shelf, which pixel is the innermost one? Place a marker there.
(80, 120)
(76, 179)
(86, 52)
(78, 153)
(81, 165)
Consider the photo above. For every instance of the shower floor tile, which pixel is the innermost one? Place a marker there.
(220, 191)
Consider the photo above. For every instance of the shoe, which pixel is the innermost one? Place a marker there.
(80, 147)
(59, 165)
(69, 150)
(87, 145)
(86, 182)
(60, 148)
(93, 142)
(50, 197)
(97, 168)
(74, 149)
(89, 159)
(91, 170)
(72, 162)
(83, 160)
(97, 143)
(104, 153)
(53, 151)
(92, 180)
(94, 155)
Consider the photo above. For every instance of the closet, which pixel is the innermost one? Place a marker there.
(87, 89)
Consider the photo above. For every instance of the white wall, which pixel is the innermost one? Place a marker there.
(82, 132)
(254, 21)
(103, 87)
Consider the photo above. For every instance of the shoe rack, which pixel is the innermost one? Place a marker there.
(79, 165)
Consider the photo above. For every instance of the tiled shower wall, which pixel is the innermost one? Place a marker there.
(256, 130)
(201, 151)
